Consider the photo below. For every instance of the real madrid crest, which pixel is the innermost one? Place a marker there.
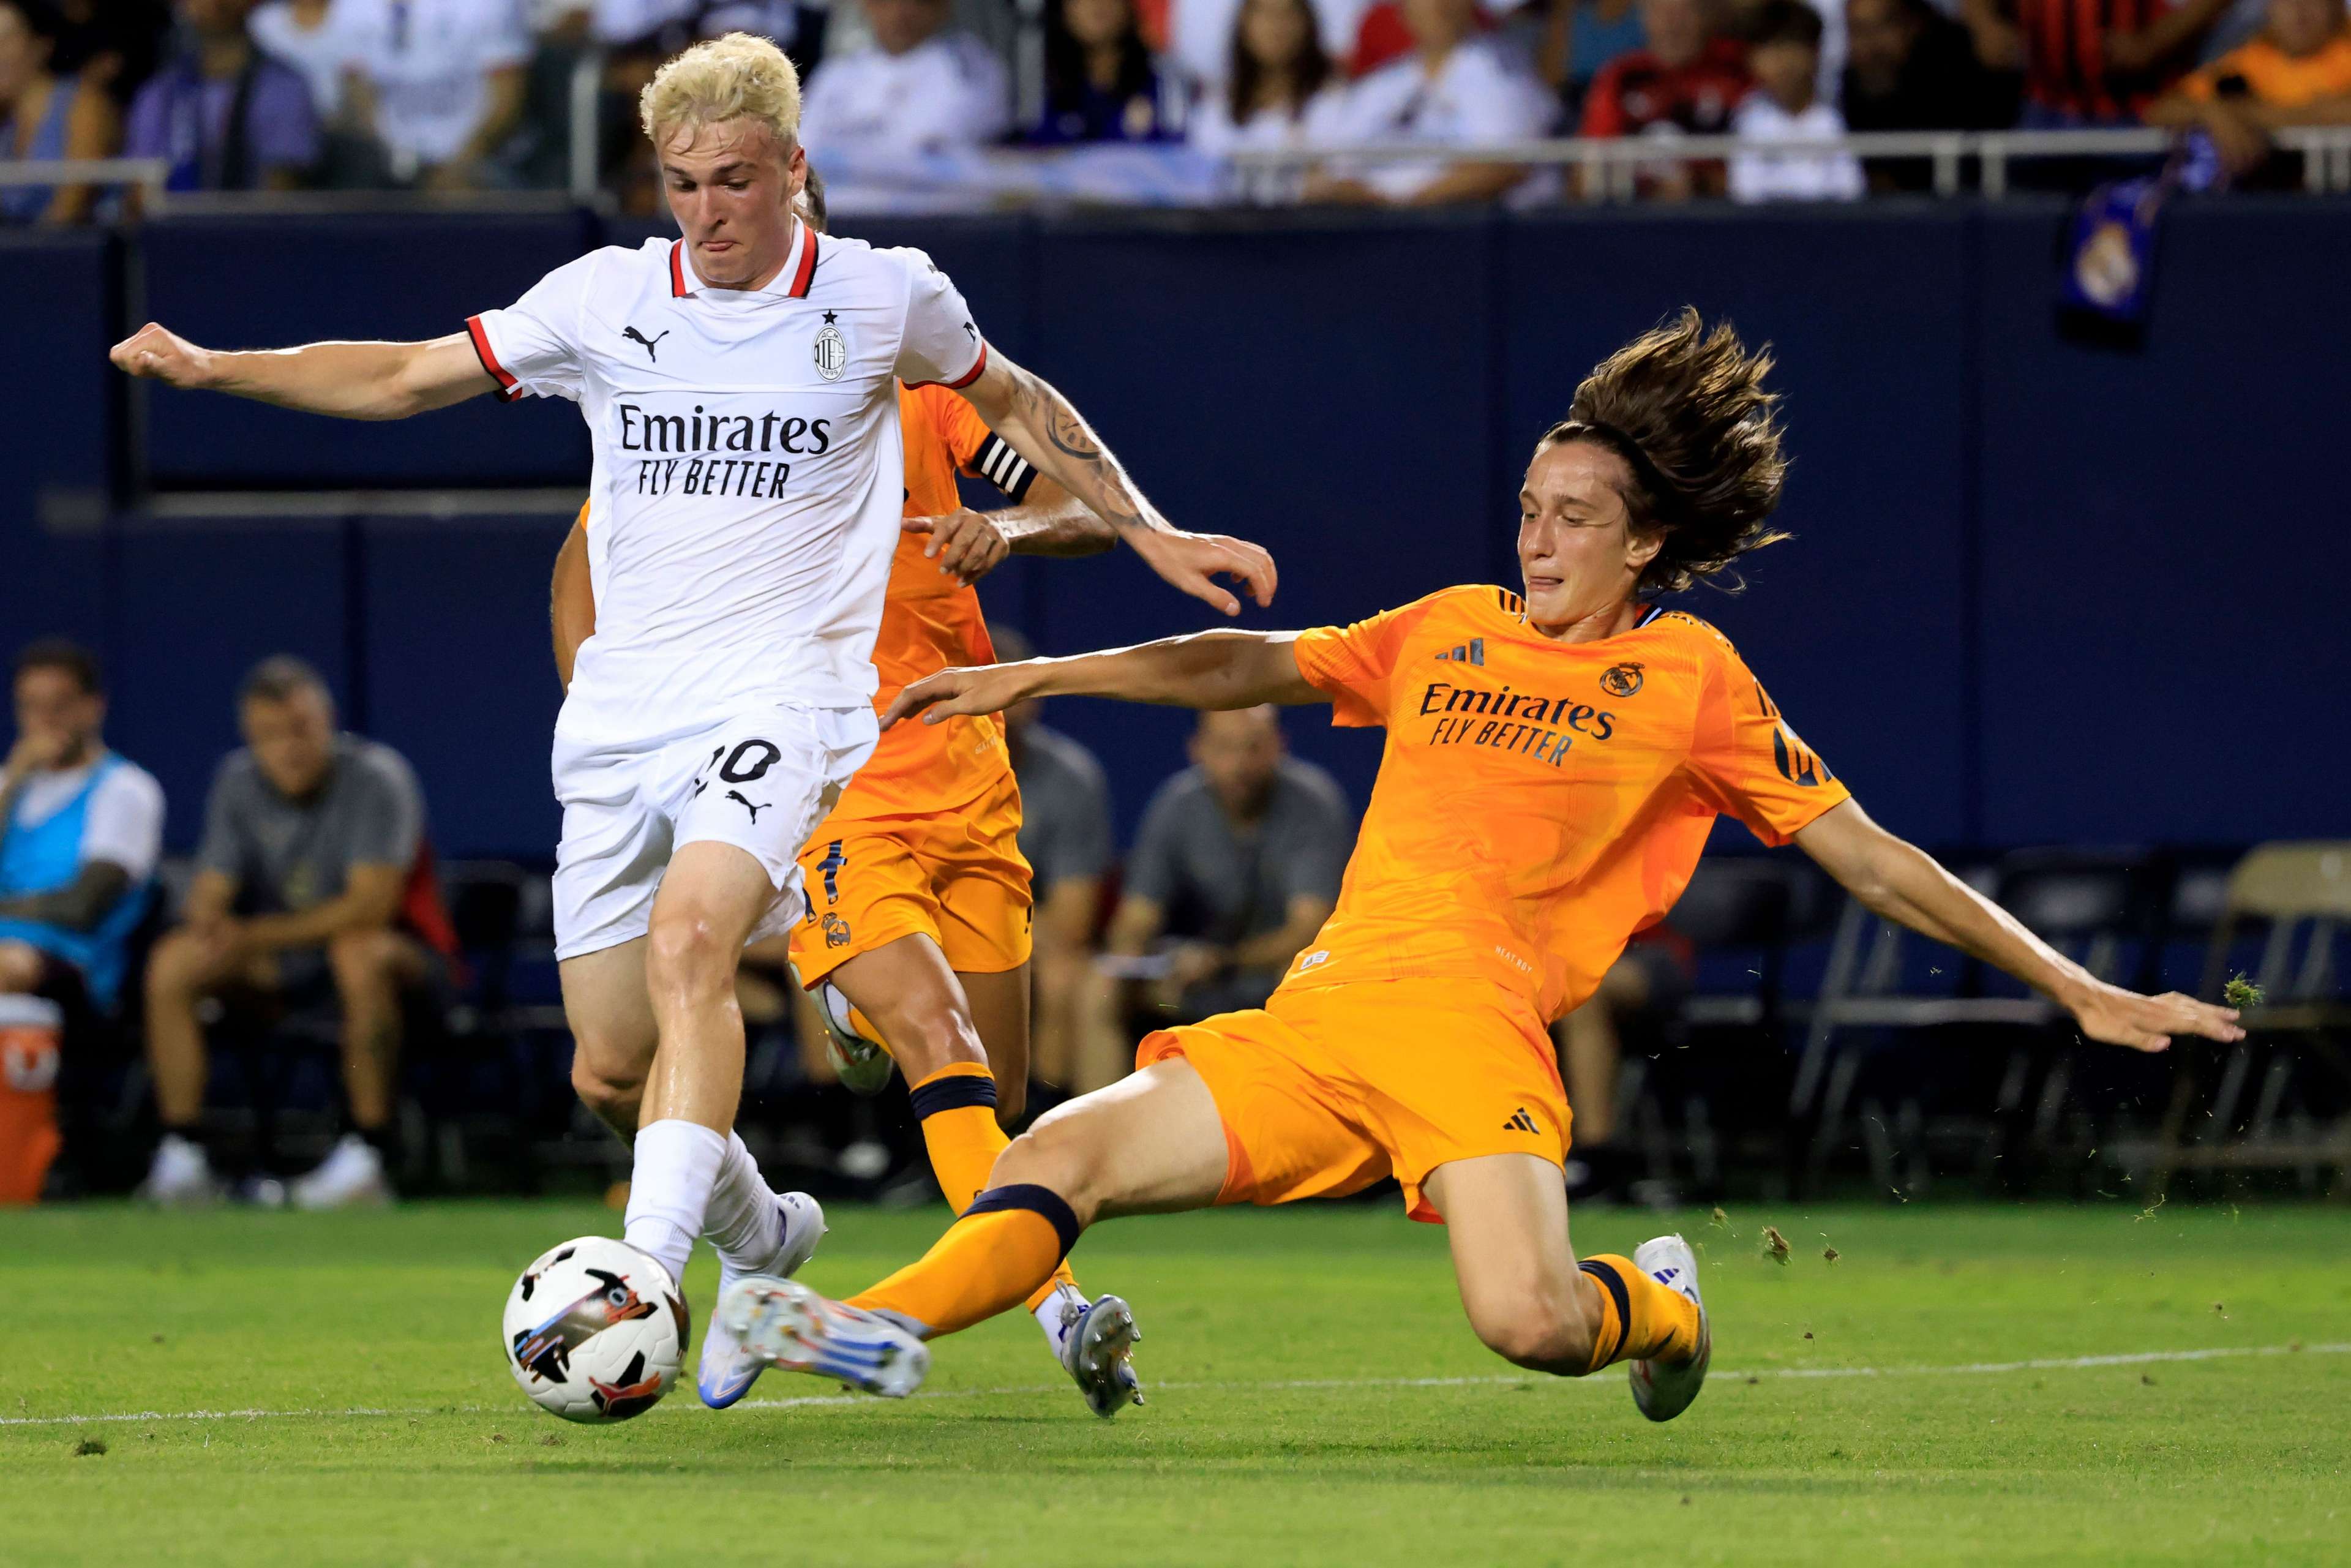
(1621, 680)
(832, 349)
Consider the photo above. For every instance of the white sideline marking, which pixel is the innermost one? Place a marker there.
(1963, 1369)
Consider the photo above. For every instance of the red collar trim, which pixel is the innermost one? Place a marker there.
(677, 288)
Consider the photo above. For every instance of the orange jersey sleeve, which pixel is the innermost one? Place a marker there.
(1749, 764)
(1352, 664)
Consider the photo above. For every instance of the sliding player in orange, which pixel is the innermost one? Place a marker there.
(916, 940)
(1553, 764)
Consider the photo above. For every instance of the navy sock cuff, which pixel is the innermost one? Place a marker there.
(955, 1094)
(1614, 1283)
(1039, 1200)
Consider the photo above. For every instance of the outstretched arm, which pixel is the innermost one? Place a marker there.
(1205, 670)
(1040, 423)
(350, 380)
(1902, 882)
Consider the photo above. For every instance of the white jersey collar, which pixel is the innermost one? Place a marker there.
(791, 282)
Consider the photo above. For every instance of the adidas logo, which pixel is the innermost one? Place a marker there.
(1473, 651)
(1665, 1276)
(1521, 1121)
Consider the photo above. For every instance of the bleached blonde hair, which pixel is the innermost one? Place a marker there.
(737, 76)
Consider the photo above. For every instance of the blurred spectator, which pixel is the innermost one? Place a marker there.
(1384, 35)
(1065, 837)
(1238, 863)
(112, 44)
(1457, 89)
(662, 27)
(440, 82)
(1579, 36)
(46, 116)
(1202, 35)
(314, 37)
(1101, 83)
(80, 830)
(1689, 81)
(2089, 62)
(1279, 89)
(225, 115)
(2298, 72)
(1638, 996)
(313, 884)
(1784, 54)
(919, 85)
(1910, 67)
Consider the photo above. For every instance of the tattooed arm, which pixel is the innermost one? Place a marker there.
(1039, 423)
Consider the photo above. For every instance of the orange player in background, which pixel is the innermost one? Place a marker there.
(1554, 762)
(916, 940)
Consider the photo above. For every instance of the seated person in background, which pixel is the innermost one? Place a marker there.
(225, 115)
(314, 878)
(1686, 82)
(1279, 90)
(1910, 67)
(441, 82)
(1065, 837)
(1200, 33)
(2297, 72)
(1238, 861)
(1784, 54)
(46, 116)
(1579, 37)
(1100, 84)
(1457, 88)
(918, 87)
(1643, 989)
(313, 36)
(80, 828)
(2089, 63)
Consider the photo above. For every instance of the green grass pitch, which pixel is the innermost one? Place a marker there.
(1315, 1397)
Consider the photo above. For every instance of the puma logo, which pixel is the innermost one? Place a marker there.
(632, 335)
(737, 796)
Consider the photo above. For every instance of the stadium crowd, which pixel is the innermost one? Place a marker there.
(458, 95)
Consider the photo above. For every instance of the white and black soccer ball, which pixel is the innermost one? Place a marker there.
(596, 1331)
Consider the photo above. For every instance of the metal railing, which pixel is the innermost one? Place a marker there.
(1610, 167)
(144, 175)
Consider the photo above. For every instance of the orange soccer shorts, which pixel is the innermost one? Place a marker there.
(957, 877)
(1326, 1090)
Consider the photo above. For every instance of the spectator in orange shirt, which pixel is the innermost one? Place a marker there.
(2297, 72)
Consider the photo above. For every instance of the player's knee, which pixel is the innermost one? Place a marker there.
(1055, 1154)
(686, 952)
(611, 1093)
(1547, 1331)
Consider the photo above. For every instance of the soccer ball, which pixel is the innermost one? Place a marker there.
(595, 1331)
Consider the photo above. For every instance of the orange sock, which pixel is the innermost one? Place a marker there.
(1639, 1318)
(956, 1106)
(1005, 1247)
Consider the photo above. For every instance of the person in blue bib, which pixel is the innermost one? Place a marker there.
(80, 830)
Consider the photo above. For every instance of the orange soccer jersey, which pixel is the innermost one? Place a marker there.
(1539, 802)
(930, 621)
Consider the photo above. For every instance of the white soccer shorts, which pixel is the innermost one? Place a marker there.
(761, 781)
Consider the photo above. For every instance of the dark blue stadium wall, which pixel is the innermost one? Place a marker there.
(2038, 591)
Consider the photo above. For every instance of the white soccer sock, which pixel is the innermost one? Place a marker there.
(1050, 1313)
(669, 1190)
(743, 1222)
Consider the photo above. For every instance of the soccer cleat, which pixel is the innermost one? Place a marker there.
(783, 1323)
(1664, 1389)
(1098, 1353)
(862, 1066)
(180, 1176)
(350, 1176)
(723, 1374)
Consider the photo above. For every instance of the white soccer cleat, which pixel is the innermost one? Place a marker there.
(180, 1176)
(1664, 1389)
(784, 1324)
(723, 1374)
(1098, 1353)
(350, 1176)
(862, 1065)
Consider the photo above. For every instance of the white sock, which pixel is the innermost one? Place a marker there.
(743, 1222)
(1049, 1313)
(669, 1190)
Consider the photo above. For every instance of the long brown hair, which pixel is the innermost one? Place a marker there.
(1244, 75)
(1684, 407)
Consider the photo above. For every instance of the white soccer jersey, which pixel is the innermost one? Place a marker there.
(749, 473)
